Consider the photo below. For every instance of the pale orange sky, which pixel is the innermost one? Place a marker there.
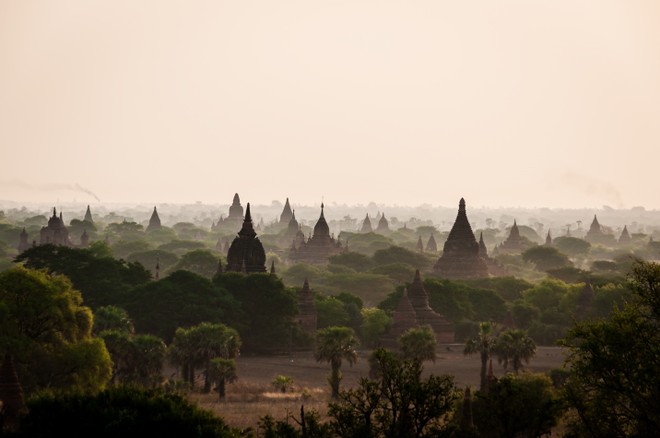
(507, 103)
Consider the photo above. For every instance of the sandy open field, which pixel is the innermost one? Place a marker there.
(253, 396)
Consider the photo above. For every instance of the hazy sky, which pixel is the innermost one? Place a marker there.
(506, 103)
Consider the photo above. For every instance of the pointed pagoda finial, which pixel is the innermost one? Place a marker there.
(461, 204)
(248, 229)
(481, 236)
(272, 267)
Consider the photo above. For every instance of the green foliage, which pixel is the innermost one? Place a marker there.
(121, 412)
(367, 243)
(182, 299)
(569, 274)
(199, 261)
(180, 247)
(124, 248)
(513, 347)
(196, 346)
(112, 318)
(353, 260)
(546, 257)
(397, 254)
(418, 344)
(334, 345)
(571, 245)
(524, 405)
(261, 327)
(614, 385)
(524, 313)
(483, 343)
(374, 324)
(508, 288)
(136, 359)
(44, 322)
(398, 403)
(149, 259)
(101, 279)
(221, 371)
(125, 230)
(398, 272)
(282, 383)
(331, 312)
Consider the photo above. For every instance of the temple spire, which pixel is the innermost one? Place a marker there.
(88, 216)
(248, 229)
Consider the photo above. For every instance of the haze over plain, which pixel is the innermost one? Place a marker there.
(508, 103)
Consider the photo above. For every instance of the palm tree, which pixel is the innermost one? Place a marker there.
(150, 353)
(333, 345)
(482, 343)
(418, 344)
(196, 346)
(220, 372)
(282, 382)
(514, 346)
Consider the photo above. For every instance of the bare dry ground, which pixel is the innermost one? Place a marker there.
(253, 396)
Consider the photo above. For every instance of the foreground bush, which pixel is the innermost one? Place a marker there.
(120, 412)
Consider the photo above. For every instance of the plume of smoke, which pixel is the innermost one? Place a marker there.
(47, 187)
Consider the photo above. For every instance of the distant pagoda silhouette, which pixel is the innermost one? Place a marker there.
(287, 214)
(318, 248)
(154, 221)
(307, 314)
(460, 257)
(233, 221)
(383, 225)
(246, 253)
(413, 311)
(88, 216)
(55, 232)
(431, 245)
(366, 225)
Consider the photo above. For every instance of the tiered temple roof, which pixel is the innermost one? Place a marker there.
(417, 300)
(234, 219)
(515, 243)
(460, 258)
(318, 248)
(55, 232)
(246, 253)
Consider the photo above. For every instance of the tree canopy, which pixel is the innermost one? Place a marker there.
(44, 322)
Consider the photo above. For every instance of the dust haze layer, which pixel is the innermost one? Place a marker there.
(504, 103)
